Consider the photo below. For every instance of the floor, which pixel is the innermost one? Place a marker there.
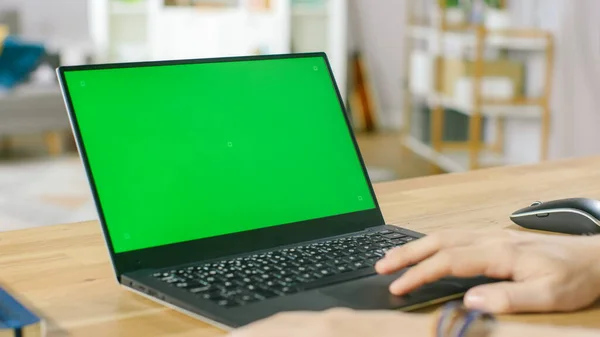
(36, 190)
(384, 150)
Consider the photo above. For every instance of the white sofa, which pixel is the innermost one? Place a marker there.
(34, 109)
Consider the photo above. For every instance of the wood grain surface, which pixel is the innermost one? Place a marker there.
(64, 271)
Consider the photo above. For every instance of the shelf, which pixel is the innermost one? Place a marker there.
(453, 160)
(499, 109)
(501, 40)
(128, 8)
(309, 10)
(29, 91)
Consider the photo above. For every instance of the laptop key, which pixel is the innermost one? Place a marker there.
(200, 289)
(360, 265)
(287, 273)
(306, 276)
(250, 287)
(172, 280)
(327, 272)
(210, 294)
(370, 262)
(245, 298)
(394, 236)
(301, 279)
(378, 253)
(339, 254)
(289, 280)
(335, 262)
(199, 281)
(285, 290)
(231, 293)
(227, 286)
(317, 275)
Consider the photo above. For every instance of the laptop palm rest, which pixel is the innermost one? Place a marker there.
(372, 293)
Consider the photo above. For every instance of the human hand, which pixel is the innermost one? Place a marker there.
(548, 272)
(340, 323)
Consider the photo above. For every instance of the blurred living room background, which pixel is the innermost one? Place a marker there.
(431, 87)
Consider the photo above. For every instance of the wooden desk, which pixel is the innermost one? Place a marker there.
(65, 272)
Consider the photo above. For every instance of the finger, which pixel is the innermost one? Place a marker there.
(511, 297)
(416, 251)
(466, 261)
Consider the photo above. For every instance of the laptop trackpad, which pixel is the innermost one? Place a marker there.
(372, 293)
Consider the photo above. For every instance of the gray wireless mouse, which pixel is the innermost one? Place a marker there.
(579, 216)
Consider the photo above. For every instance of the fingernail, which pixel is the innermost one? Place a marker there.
(475, 301)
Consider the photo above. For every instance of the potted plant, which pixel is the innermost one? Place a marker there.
(454, 12)
(496, 17)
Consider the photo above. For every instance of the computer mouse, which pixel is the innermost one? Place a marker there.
(578, 216)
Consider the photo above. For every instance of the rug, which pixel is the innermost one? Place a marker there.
(39, 192)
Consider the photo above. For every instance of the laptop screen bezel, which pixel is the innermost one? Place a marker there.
(230, 244)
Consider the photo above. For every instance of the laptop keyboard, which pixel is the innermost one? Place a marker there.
(248, 279)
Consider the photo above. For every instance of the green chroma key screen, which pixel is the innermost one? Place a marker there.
(189, 151)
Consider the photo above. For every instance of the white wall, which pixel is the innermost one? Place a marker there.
(523, 138)
(55, 19)
(378, 27)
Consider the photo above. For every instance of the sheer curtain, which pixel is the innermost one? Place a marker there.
(576, 94)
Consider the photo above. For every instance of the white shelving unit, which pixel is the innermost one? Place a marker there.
(476, 44)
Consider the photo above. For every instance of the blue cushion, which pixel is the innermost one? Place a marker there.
(17, 60)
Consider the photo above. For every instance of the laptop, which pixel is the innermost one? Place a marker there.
(233, 188)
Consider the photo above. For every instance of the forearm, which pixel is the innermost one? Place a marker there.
(527, 330)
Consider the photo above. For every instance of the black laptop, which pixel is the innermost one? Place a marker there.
(233, 188)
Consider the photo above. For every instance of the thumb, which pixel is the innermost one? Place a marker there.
(509, 297)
